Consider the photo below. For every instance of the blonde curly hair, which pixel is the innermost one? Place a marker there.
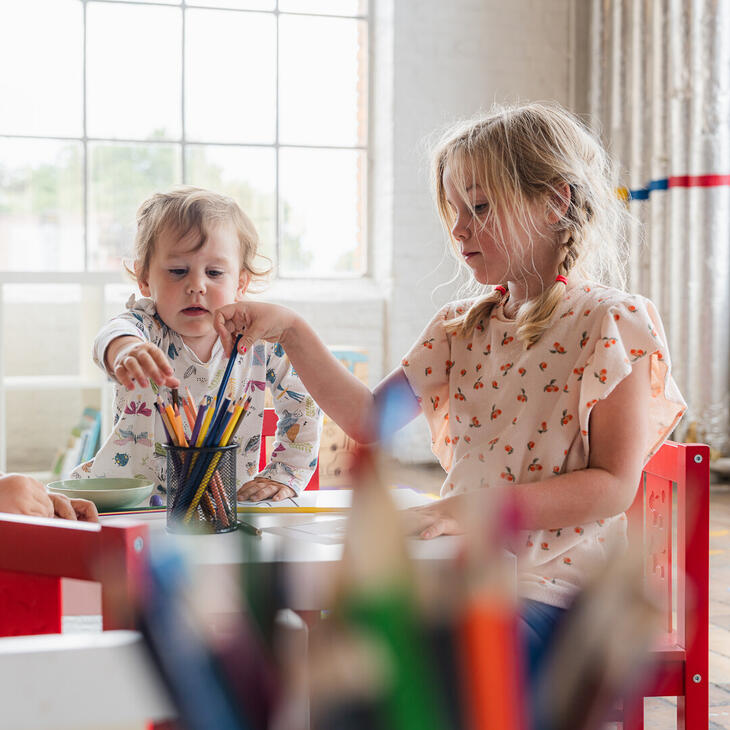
(188, 208)
(521, 155)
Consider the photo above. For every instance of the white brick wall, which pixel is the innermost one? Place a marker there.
(449, 59)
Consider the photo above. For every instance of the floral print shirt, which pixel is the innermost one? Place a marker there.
(502, 414)
(133, 449)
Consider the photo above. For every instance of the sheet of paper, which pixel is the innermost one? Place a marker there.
(403, 497)
(328, 532)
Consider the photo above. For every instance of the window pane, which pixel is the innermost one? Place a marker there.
(322, 212)
(248, 175)
(54, 312)
(230, 85)
(323, 81)
(41, 205)
(329, 7)
(239, 4)
(122, 176)
(41, 57)
(133, 71)
(40, 423)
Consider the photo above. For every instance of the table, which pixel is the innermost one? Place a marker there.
(310, 562)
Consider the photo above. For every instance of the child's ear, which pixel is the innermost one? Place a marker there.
(559, 203)
(244, 279)
(142, 280)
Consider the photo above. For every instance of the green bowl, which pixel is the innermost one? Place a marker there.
(106, 494)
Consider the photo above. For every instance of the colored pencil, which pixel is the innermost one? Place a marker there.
(229, 368)
(250, 529)
(206, 423)
(209, 466)
(191, 400)
(198, 422)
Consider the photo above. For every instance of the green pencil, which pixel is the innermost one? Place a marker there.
(249, 528)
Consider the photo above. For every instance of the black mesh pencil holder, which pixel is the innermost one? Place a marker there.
(201, 488)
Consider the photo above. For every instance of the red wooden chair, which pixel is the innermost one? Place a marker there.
(269, 429)
(682, 655)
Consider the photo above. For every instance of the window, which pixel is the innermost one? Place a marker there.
(107, 101)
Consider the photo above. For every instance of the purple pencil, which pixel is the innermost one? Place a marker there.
(158, 406)
(199, 420)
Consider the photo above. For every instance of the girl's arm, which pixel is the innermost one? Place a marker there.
(618, 434)
(342, 396)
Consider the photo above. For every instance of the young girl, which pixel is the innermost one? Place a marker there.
(546, 382)
(194, 253)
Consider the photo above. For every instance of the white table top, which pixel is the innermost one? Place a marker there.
(311, 559)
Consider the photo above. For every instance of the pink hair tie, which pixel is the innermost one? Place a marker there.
(560, 277)
(500, 289)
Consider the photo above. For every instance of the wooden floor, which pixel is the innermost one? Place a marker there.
(660, 712)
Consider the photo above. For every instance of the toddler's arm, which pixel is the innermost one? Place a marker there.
(338, 392)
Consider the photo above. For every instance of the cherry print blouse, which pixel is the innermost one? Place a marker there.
(500, 414)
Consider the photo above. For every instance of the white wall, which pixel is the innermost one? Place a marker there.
(446, 60)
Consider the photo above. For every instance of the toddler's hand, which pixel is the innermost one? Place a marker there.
(253, 320)
(262, 488)
(22, 495)
(141, 362)
(73, 509)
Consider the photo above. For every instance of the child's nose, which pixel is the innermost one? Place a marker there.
(460, 230)
(196, 284)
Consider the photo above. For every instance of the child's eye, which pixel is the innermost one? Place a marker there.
(177, 272)
(481, 208)
(215, 273)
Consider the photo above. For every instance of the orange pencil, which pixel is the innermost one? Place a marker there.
(191, 400)
(180, 437)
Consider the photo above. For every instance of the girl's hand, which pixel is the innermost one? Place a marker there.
(253, 320)
(133, 360)
(443, 517)
(22, 495)
(262, 488)
(73, 509)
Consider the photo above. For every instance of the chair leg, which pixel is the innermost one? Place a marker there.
(693, 710)
(29, 604)
(634, 714)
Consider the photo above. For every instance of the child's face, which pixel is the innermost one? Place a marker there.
(499, 253)
(188, 285)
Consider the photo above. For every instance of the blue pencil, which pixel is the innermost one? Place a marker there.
(226, 375)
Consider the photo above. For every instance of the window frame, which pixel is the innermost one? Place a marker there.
(96, 281)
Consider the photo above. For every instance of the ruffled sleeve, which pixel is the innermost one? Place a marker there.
(631, 330)
(427, 366)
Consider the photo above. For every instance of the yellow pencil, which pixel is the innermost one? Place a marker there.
(289, 510)
(206, 423)
(208, 473)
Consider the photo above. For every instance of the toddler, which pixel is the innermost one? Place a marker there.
(194, 253)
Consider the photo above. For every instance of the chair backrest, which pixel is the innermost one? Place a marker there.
(35, 553)
(686, 467)
(268, 429)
